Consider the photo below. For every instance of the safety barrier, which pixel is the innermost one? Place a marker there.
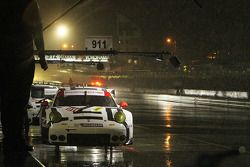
(190, 92)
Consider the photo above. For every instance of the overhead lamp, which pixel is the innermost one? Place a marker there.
(62, 31)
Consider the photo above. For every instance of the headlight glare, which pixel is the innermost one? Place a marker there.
(120, 117)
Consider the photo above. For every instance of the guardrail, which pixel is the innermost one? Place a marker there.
(191, 92)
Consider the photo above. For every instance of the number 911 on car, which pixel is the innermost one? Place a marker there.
(86, 117)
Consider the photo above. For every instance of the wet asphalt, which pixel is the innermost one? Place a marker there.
(169, 131)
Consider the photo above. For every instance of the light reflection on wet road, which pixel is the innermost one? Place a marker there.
(170, 131)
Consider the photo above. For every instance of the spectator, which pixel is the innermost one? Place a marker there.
(20, 25)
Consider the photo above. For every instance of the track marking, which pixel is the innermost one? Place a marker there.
(209, 143)
(38, 161)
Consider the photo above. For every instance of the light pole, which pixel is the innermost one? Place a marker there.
(170, 41)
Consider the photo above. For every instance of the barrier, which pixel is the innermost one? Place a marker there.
(189, 92)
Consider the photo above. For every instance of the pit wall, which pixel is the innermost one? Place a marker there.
(190, 92)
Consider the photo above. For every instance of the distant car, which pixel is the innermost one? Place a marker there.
(86, 116)
(96, 82)
(38, 93)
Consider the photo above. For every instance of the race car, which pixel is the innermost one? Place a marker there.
(86, 117)
(38, 94)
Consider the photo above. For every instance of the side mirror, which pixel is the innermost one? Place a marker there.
(123, 104)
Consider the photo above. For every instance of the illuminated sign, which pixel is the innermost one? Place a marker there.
(96, 58)
(99, 43)
(75, 59)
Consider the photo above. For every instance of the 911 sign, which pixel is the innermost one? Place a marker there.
(99, 43)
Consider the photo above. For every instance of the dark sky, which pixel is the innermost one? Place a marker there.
(219, 26)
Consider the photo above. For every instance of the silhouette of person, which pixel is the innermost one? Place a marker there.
(20, 26)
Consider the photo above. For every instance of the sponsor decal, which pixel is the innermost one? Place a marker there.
(88, 117)
(75, 110)
(72, 109)
(91, 125)
(82, 92)
(70, 129)
(96, 109)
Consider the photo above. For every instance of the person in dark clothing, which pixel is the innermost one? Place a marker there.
(20, 25)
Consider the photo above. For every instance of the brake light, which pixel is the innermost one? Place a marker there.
(107, 94)
(96, 83)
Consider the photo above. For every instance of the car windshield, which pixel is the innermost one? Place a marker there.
(79, 100)
(37, 93)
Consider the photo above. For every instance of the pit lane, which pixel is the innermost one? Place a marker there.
(169, 131)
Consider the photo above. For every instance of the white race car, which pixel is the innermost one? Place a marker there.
(86, 117)
(38, 93)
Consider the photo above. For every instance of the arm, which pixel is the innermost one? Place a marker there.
(38, 34)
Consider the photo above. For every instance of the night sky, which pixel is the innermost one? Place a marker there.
(221, 26)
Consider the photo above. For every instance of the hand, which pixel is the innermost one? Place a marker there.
(42, 61)
(43, 64)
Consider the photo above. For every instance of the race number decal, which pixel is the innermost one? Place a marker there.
(99, 43)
